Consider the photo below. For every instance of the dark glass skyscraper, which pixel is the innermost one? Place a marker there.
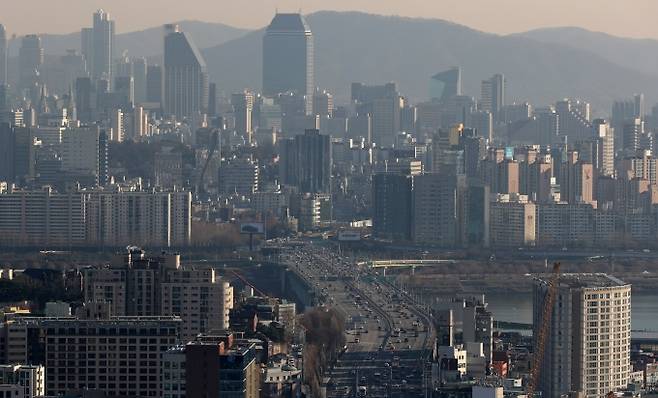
(185, 75)
(288, 58)
(306, 162)
(98, 46)
(30, 59)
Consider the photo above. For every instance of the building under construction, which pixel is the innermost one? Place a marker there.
(586, 348)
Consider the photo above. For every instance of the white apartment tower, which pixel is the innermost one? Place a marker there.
(588, 344)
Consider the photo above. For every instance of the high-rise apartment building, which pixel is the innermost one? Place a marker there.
(185, 75)
(588, 348)
(243, 106)
(118, 356)
(139, 286)
(42, 218)
(288, 58)
(512, 221)
(118, 217)
(493, 94)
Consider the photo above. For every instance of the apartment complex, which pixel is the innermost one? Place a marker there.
(138, 286)
(118, 355)
(22, 381)
(110, 217)
(588, 348)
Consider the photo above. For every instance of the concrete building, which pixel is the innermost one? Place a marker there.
(493, 94)
(588, 347)
(98, 47)
(306, 162)
(435, 210)
(139, 286)
(42, 218)
(30, 61)
(392, 204)
(22, 381)
(120, 356)
(565, 225)
(117, 217)
(238, 176)
(512, 221)
(81, 152)
(288, 58)
(216, 370)
(173, 372)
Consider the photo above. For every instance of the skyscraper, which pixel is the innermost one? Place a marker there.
(30, 59)
(288, 58)
(243, 105)
(446, 84)
(3, 55)
(493, 94)
(306, 162)
(98, 46)
(588, 348)
(185, 75)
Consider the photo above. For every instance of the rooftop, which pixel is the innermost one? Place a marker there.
(283, 22)
(585, 280)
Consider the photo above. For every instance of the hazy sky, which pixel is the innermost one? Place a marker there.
(631, 18)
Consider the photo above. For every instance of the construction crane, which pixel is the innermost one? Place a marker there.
(544, 329)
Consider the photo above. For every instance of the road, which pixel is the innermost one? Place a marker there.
(389, 338)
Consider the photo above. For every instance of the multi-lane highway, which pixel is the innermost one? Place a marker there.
(389, 339)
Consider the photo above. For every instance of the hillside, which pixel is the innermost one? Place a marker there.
(352, 46)
(638, 54)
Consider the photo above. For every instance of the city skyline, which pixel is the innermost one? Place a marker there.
(602, 16)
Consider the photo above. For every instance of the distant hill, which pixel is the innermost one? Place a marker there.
(145, 43)
(638, 54)
(351, 46)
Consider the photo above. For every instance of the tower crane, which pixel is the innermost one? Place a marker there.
(544, 329)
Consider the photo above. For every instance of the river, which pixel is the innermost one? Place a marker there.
(518, 308)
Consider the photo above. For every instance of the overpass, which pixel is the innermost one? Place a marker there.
(413, 264)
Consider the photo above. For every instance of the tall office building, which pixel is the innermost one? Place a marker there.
(306, 162)
(391, 204)
(588, 348)
(185, 75)
(30, 59)
(446, 84)
(243, 106)
(493, 94)
(98, 46)
(3, 55)
(80, 152)
(154, 84)
(383, 104)
(288, 58)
